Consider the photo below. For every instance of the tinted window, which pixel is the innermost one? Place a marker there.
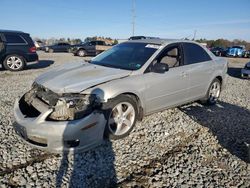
(100, 42)
(10, 38)
(92, 43)
(193, 53)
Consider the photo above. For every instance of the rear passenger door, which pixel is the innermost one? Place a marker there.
(91, 47)
(65, 47)
(200, 68)
(60, 47)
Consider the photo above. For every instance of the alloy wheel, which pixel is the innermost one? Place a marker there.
(121, 118)
(81, 53)
(14, 62)
(214, 92)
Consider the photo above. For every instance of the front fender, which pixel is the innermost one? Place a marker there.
(115, 88)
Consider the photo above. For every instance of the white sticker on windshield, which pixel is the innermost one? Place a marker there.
(152, 46)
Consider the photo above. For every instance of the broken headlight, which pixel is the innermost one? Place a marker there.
(73, 106)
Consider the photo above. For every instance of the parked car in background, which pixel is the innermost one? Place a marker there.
(39, 45)
(245, 72)
(141, 37)
(218, 51)
(90, 48)
(246, 54)
(73, 107)
(235, 51)
(59, 47)
(16, 50)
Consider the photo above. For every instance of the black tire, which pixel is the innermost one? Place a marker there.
(81, 53)
(14, 62)
(50, 50)
(108, 111)
(209, 100)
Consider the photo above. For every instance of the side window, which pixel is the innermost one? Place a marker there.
(100, 43)
(14, 39)
(171, 56)
(193, 53)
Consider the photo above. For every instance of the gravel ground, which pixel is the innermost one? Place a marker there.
(189, 146)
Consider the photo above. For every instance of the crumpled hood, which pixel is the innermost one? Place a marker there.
(76, 77)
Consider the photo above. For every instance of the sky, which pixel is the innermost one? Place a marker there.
(211, 19)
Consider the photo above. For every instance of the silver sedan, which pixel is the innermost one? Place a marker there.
(75, 106)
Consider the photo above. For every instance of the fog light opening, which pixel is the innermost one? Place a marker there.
(72, 143)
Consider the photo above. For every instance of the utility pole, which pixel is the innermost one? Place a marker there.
(133, 18)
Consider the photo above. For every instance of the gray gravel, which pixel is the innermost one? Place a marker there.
(189, 146)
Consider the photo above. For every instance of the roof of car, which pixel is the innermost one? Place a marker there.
(10, 31)
(158, 41)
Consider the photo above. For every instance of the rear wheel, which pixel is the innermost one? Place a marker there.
(121, 114)
(81, 53)
(14, 63)
(213, 92)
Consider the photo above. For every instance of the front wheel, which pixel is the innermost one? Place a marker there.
(121, 114)
(81, 53)
(14, 63)
(213, 92)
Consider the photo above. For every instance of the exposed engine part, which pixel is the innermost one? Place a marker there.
(65, 107)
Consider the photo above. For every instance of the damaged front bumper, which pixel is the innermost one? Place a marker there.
(58, 136)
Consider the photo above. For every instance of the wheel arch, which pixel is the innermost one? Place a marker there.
(220, 79)
(138, 102)
(81, 48)
(14, 53)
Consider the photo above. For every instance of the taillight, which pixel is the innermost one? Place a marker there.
(32, 49)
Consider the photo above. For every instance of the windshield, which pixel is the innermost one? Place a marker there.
(128, 56)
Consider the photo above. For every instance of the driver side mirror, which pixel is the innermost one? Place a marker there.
(160, 68)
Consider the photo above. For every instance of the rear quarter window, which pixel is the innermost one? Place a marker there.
(14, 39)
(193, 53)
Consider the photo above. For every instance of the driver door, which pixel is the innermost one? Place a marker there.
(164, 90)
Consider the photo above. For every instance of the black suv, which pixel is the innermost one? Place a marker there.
(16, 49)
